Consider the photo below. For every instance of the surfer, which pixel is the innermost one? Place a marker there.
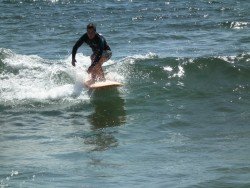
(101, 52)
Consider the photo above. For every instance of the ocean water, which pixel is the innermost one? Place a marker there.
(180, 120)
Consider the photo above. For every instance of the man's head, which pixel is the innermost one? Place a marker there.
(91, 30)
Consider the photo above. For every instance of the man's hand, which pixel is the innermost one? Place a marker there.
(73, 62)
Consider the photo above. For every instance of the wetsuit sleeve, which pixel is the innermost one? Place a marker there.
(77, 45)
(98, 53)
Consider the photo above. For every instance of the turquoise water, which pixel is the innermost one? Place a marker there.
(180, 120)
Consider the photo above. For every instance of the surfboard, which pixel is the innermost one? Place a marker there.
(103, 84)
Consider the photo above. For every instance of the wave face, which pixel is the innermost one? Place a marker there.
(30, 78)
(192, 77)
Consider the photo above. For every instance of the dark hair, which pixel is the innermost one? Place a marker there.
(91, 26)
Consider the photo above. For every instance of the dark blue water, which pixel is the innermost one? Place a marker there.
(180, 120)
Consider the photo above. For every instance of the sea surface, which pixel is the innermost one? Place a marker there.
(181, 120)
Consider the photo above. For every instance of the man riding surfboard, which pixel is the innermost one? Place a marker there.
(101, 52)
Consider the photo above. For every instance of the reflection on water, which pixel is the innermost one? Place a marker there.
(109, 108)
(108, 112)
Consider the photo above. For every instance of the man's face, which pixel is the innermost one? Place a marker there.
(91, 33)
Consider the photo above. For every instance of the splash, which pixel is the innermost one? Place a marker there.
(31, 78)
(34, 78)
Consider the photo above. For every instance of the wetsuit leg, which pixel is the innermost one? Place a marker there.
(97, 72)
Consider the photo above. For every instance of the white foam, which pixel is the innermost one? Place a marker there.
(168, 68)
(132, 59)
(180, 72)
(115, 77)
(30, 77)
(238, 25)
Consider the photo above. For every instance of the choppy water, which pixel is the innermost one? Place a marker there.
(180, 120)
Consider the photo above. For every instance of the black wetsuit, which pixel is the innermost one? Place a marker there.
(98, 44)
